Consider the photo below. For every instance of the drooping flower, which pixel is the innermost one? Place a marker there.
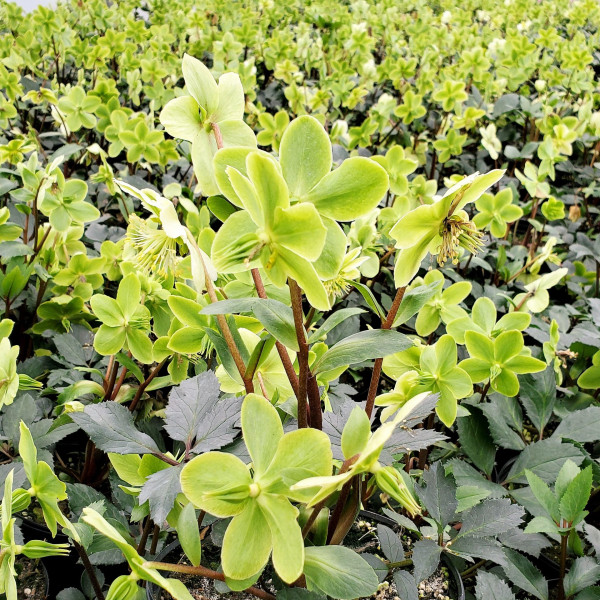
(441, 228)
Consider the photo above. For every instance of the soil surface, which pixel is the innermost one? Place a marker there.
(31, 581)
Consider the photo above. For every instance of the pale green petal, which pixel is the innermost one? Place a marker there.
(422, 222)
(251, 529)
(262, 431)
(236, 133)
(216, 482)
(305, 155)
(200, 83)
(352, 190)
(330, 261)
(286, 536)
(231, 98)
(299, 229)
(204, 147)
(181, 118)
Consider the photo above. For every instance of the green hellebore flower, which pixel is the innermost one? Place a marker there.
(440, 228)
(392, 482)
(155, 249)
(438, 373)
(125, 587)
(64, 203)
(496, 212)
(352, 190)
(398, 166)
(537, 298)
(284, 239)
(124, 321)
(264, 520)
(483, 320)
(139, 566)
(406, 387)
(444, 306)
(9, 378)
(209, 109)
(499, 361)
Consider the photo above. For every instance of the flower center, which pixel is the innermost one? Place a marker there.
(457, 233)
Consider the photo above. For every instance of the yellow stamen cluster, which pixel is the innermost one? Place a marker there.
(155, 252)
(458, 233)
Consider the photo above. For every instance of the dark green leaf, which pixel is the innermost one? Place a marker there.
(426, 558)
(476, 440)
(491, 517)
(582, 425)
(544, 458)
(111, 428)
(538, 396)
(438, 495)
(390, 543)
(491, 587)
(522, 573)
(357, 348)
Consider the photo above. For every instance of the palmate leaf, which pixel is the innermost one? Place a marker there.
(196, 416)
(189, 402)
(545, 458)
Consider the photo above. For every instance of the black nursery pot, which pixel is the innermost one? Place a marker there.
(62, 571)
(153, 592)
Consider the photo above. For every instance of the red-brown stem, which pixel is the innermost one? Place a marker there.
(281, 349)
(296, 295)
(119, 384)
(89, 568)
(314, 402)
(142, 388)
(222, 321)
(387, 324)
(141, 549)
(563, 566)
(218, 137)
(155, 536)
(203, 572)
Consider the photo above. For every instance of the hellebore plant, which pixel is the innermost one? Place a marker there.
(289, 293)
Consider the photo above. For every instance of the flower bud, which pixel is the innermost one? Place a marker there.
(20, 500)
(40, 549)
(125, 587)
(391, 482)
(540, 85)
